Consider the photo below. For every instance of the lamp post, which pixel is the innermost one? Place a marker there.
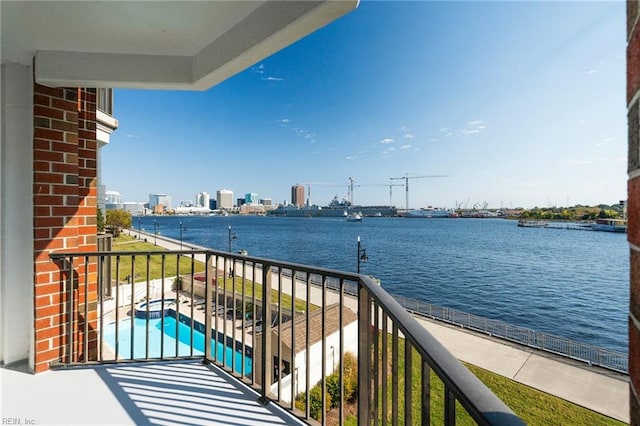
(155, 232)
(362, 254)
(232, 236)
(182, 228)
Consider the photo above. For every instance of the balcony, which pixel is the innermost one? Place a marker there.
(187, 333)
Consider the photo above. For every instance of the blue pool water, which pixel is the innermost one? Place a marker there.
(169, 341)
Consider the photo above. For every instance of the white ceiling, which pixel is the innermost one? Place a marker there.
(153, 44)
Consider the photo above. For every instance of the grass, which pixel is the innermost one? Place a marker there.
(127, 243)
(533, 406)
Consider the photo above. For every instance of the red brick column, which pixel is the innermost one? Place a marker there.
(633, 102)
(64, 195)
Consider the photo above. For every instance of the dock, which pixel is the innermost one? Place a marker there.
(577, 226)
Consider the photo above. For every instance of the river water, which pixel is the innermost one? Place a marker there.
(569, 283)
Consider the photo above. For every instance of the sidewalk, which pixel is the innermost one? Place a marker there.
(597, 389)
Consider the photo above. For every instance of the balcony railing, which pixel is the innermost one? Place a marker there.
(289, 331)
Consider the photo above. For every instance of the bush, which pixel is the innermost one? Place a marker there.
(316, 402)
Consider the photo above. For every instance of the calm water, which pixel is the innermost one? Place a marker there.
(563, 282)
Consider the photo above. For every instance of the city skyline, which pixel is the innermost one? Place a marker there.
(513, 115)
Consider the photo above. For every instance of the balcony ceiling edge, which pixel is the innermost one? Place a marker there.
(270, 28)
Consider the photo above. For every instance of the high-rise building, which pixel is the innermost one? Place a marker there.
(225, 199)
(113, 200)
(202, 199)
(297, 195)
(163, 200)
(251, 198)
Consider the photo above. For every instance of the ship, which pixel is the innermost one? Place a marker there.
(336, 208)
(428, 212)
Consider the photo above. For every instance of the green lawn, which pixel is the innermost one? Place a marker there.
(126, 243)
(533, 406)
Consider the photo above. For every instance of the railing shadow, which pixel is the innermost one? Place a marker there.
(186, 392)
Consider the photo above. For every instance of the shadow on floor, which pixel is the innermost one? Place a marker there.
(188, 393)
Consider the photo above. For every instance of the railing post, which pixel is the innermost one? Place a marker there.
(267, 356)
(364, 356)
(70, 312)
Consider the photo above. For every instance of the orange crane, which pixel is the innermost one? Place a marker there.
(406, 178)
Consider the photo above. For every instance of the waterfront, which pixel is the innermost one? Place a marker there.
(571, 284)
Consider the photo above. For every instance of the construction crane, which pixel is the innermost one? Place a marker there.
(406, 178)
(325, 184)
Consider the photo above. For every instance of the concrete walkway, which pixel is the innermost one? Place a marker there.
(597, 389)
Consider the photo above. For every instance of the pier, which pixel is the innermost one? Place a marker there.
(525, 223)
(570, 225)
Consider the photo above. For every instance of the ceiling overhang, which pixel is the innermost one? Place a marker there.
(156, 45)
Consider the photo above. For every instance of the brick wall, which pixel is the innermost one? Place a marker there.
(64, 196)
(633, 188)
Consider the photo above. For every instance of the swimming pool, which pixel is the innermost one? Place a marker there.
(169, 342)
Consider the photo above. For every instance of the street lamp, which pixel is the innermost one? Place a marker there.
(155, 232)
(182, 228)
(232, 236)
(361, 257)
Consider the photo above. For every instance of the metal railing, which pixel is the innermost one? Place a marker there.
(591, 354)
(309, 348)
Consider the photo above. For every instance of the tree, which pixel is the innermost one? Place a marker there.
(100, 221)
(117, 220)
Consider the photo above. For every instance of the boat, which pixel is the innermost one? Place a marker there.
(354, 217)
(610, 225)
(428, 212)
(524, 223)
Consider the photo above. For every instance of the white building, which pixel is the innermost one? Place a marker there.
(225, 199)
(202, 199)
(159, 199)
(113, 200)
(135, 208)
(332, 347)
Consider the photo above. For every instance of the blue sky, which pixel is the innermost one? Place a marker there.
(519, 103)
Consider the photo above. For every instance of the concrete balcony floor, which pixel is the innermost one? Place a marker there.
(162, 393)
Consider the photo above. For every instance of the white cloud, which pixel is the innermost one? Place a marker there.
(475, 123)
(592, 71)
(259, 69)
(433, 140)
(408, 136)
(273, 79)
(405, 147)
(470, 132)
(387, 140)
(350, 157)
(392, 148)
(576, 162)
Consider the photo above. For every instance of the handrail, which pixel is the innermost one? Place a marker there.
(373, 304)
(484, 407)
